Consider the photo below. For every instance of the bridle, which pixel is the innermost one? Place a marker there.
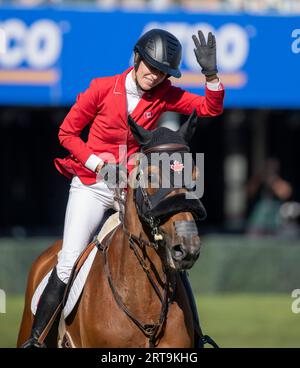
(155, 208)
(150, 330)
(137, 244)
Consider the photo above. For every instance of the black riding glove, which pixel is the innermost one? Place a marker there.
(113, 175)
(206, 53)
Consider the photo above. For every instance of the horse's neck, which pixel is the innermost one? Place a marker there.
(131, 220)
(130, 262)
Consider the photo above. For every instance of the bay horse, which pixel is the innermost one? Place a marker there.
(134, 295)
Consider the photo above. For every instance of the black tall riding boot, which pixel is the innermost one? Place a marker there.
(50, 300)
(197, 329)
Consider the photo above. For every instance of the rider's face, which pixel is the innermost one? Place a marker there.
(147, 76)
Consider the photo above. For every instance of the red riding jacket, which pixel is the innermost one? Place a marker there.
(103, 105)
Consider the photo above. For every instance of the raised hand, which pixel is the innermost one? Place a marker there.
(206, 53)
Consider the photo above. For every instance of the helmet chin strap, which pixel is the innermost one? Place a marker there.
(140, 87)
(137, 61)
(136, 66)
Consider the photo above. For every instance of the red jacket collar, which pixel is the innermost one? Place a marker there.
(120, 82)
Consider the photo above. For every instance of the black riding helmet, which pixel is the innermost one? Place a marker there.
(161, 50)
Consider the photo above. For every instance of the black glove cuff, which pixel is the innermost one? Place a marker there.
(209, 72)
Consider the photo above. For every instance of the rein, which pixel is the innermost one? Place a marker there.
(152, 219)
(150, 330)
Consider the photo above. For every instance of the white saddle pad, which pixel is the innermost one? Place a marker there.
(79, 282)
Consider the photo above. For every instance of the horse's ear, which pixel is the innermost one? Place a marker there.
(187, 130)
(141, 135)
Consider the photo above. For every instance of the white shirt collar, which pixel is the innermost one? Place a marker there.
(131, 87)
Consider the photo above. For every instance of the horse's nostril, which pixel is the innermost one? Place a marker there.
(178, 252)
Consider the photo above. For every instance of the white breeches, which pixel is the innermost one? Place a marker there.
(85, 210)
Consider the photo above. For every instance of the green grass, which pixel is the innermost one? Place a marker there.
(233, 320)
(250, 320)
(10, 321)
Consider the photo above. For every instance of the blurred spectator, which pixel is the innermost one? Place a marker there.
(202, 4)
(267, 191)
(263, 5)
(286, 6)
(31, 2)
(38, 2)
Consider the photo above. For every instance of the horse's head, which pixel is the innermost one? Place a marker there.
(161, 186)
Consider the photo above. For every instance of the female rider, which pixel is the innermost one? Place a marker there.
(144, 91)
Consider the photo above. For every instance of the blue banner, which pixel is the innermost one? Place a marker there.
(49, 55)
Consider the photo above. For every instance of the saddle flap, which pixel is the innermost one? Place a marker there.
(111, 223)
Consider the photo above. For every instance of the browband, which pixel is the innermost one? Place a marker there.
(167, 147)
